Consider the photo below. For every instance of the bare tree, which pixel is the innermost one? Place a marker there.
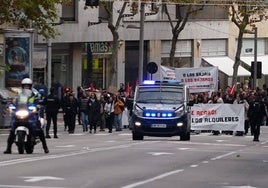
(178, 26)
(244, 17)
(113, 26)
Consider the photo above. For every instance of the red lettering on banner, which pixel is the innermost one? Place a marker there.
(188, 80)
(206, 112)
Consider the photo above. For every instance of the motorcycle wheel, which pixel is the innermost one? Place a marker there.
(29, 146)
(21, 137)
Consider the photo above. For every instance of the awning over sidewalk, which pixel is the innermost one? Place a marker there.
(225, 65)
(263, 59)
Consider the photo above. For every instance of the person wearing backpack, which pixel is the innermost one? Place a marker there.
(256, 113)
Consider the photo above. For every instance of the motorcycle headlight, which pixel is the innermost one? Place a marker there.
(21, 114)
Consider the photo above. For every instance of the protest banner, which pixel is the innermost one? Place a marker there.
(227, 117)
(199, 79)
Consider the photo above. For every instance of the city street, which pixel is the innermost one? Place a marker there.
(104, 160)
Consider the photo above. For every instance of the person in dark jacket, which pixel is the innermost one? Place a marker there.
(70, 107)
(80, 91)
(109, 113)
(52, 105)
(256, 113)
(64, 98)
(84, 110)
(94, 112)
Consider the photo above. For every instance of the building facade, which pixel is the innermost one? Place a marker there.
(81, 55)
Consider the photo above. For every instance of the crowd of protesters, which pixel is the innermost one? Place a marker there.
(100, 108)
(94, 109)
(255, 103)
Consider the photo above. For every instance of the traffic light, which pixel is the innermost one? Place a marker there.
(92, 3)
(259, 71)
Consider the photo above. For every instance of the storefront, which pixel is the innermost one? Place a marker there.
(95, 64)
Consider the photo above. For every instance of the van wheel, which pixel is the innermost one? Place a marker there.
(185, 136)
(137, 136)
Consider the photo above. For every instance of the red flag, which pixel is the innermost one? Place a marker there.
(92, 87)
(127, 90)
(232, 89)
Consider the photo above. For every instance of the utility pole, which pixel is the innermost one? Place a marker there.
(255, 59)
(141, 44)
(49, 56)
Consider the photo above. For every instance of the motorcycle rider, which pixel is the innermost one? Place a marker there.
(32, 94)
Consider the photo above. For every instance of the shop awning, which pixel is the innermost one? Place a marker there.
(263, 59)
(225, 65)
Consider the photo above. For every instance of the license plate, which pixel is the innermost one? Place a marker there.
(159, 126)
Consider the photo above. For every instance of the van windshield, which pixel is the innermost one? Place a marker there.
(162, 95)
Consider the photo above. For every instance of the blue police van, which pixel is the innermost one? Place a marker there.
(160, 109)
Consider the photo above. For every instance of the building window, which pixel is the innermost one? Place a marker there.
(103, 15)
(208, 12)
(70, 11)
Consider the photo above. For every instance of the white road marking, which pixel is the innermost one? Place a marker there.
(66, 146)
(194, 166)
(161, 176)
(159, 153)
(125, 134)
(57, 156)
(184, 149)
(243, 186)
(39, 178)
(209, 144)
(22, 186)
(77, 134)
(101, 134)
(222, 156)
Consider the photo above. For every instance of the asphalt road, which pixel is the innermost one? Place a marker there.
(104, 160)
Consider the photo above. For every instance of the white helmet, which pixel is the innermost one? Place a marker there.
(26, 81)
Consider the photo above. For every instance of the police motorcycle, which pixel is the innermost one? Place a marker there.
(24, 120)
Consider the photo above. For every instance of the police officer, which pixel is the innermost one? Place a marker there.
(256, 113)
(52, 104)
(26, 85)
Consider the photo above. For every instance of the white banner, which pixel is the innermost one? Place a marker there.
(167, 73)
(200, 79)
(218, 117)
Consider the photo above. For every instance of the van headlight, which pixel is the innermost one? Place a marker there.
(180, 112)
(137, 111)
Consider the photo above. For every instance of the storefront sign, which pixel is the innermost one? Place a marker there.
(218, 117)
(100, 47)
